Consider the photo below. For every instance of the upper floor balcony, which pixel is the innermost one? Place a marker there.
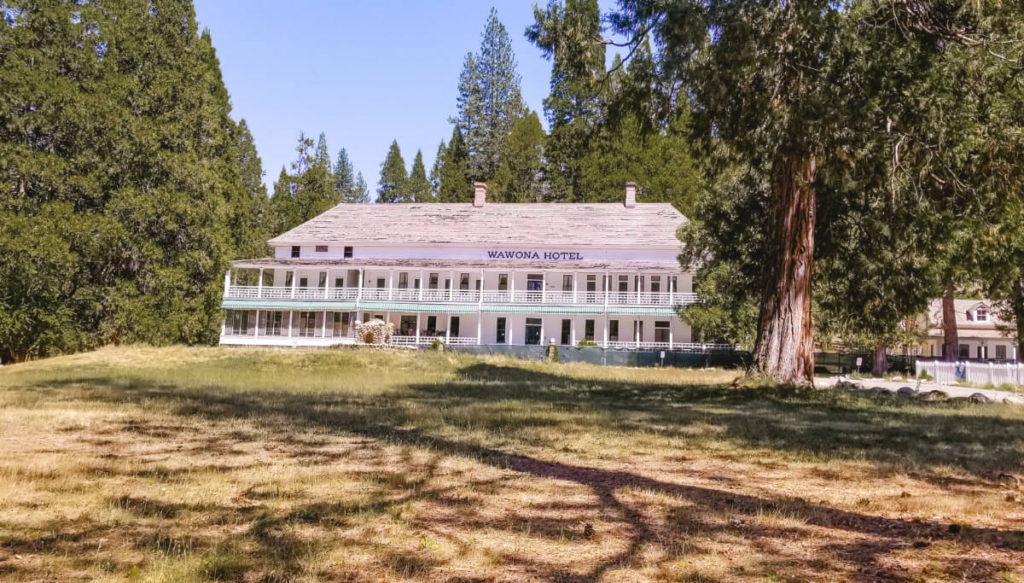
(461, 296)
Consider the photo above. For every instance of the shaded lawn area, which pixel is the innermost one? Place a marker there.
(184, 464)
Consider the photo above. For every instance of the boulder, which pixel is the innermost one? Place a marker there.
(906, 392)
(935, 396)
(979, 398)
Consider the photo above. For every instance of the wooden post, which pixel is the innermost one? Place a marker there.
(448, 331)
(359, 291)
(295, 280)
(391, 284)
(259, 285)
(423, 284)
(418, 322)
(479, 328)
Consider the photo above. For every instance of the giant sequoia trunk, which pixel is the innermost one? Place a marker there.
(881, 364)
(1017, 306)
(784, 350)
(949, 331)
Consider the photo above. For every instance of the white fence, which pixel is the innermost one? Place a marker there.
(972, 372)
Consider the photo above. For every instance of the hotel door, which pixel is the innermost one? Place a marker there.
(533, 330)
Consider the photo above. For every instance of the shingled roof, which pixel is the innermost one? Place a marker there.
(533, 224)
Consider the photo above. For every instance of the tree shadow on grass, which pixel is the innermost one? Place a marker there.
(783, 419)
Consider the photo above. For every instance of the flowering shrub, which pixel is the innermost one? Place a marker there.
(374, 332)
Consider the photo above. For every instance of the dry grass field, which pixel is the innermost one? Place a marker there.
(194, 464)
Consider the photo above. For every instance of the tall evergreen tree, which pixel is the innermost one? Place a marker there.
(418, 186)
(309, 190)
(520, 176)
(393, 184)
(250, 209)
(322, 157)
(569, 34)
(490, 100)
(454, 184)
(362, 192)
(118, 173)
(344, 178)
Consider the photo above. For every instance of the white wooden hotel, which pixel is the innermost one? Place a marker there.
(470, 274)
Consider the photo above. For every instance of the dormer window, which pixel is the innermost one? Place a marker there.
(296, 250)
(981, 314)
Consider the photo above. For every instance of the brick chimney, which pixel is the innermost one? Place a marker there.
(630, 195)
(479, 194)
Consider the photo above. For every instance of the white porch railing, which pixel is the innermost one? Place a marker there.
(425, 340)
(251, 292)
(981, 373)
(677, 346)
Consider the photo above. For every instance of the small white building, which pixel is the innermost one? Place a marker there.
(981, 333)
(472, 273)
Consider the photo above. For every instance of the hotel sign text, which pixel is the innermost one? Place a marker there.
(545, 255)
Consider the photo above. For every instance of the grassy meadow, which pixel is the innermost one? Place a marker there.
(218, 464)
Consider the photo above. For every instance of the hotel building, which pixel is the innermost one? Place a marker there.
(470, 274)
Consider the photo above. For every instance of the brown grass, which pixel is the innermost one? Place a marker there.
(183, 464)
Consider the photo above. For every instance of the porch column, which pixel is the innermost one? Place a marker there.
(575, 275)
(508, 329)
(607, 288)
(290, 314)
(671, 328)
(259, 285)
(327, 284)
(636, 331)
(512, 286)
(423, 284)
(418, 323)
(451, 287)
(359, 291)
(224, 323)
(448, 331)
(606, 330)
(479, 327)
(391, 284)
(572, 325)
(323, 326)
(671, 289)
(636, 284)
(543, 339)
(256, 333)
(227, 281)
(480, 290)
(543, 295)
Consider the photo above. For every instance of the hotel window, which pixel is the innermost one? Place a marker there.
(432, 282)
(623, 283)
(591, 288)
(613, 330)
(403, 280)
(296, 251)
(307, 323)
(588, 330)
(407, 326)
(321, 248)
(566, 331)
(323, 280)
(502, 284)
(303, 281)
(981, 314)
(534, 282)
(965, 351)
(339, 282)
(431, 325)
(567, 283)
(499, 336)
(380, 283)
(239, 322)
(454, 330)
(273, 323)
(348, 253)
(1001, 352)
(341, 321)
(661, 331)
(464, 281)
(655, 283)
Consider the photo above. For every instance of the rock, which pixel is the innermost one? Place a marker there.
(935, 396)
(1008, 481)
(878, 389)
(979, 398)
(906, 392)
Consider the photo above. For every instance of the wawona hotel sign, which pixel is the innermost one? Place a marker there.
(545, 255)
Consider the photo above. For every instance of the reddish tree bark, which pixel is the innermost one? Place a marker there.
(881, 365)
(784, 350)
(949, 332)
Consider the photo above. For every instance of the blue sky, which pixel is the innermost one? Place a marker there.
(363, 72)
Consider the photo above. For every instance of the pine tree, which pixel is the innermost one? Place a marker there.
(322, 157)
(361, 193)
(344, 177)
(250, 210)
(418, 186)
(570, 35)
(122, 184)
(454, 184)
(393, 183)
(490, 100)
(520, 176)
